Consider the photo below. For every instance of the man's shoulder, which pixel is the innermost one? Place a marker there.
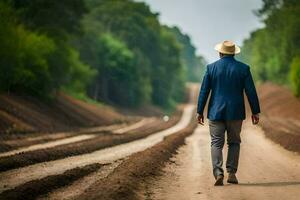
(242, 64)
(210, 65)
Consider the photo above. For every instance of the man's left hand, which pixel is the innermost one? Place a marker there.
(200, 119)
(255, 119)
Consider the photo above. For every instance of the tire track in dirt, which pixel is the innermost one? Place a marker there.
(24, 141)
(81, 137)
(15, 177)
(48, 145)
(134, 126)
(78, 187)
(35, 188)
(128, 178)
(83, 183)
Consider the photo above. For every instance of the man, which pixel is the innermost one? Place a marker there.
(226, 80)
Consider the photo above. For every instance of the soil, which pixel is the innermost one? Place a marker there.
(151, 161)
(12, 178)
(24, 114)
(72, 191)
(101, 141)
(266, 171)
(129, 176)
(27, 140)
(280, 115)
(35, 188)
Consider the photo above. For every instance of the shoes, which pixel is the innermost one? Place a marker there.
(232, 178)
(219, 180)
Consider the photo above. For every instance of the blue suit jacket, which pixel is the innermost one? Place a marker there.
(227, 79)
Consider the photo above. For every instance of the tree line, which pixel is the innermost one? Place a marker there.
(114, 51)
(274, 50)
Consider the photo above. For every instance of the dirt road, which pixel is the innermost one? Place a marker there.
(266, 171)
(118, 129)
(13, 178)
(132, 168)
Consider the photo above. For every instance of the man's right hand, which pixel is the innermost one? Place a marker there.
(255, 119)
(200, 119)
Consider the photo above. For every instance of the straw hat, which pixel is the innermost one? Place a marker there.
(227, 47)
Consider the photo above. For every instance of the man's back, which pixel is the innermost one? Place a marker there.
(227, 79)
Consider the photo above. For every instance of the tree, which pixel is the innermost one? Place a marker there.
(36, 54)
(116, 51)
(23, 57)
(55, 18)
(271, 50)
(194, 65)
(156, 68)
(295, 75)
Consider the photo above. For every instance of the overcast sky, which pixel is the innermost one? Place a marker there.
(208, 22)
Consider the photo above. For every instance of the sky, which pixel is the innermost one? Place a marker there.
(209, 22)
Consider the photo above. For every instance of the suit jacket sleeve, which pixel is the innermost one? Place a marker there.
(204, 92)
(251, 93)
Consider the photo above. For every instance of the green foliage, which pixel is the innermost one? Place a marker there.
(113, 51)
(56, 18)
(23, 54)
(132, 23)
(271, 50)
(32, 61)
(194, 65)
(168, 77)
(156, 73)
(295, 75)
(80, 74)
(117, 79)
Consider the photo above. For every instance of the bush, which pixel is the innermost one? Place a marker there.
(23, 57)
(295, 75)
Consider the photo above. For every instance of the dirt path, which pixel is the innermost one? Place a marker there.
(82, 135)
(134, 126)
(48, 144)
(27, 142)
(13, 178)
(72, 191)
(266, 171)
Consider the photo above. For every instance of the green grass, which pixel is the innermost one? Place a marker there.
(81, 96)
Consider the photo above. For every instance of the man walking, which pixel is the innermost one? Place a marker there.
(226, 80)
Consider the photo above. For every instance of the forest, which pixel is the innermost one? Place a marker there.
(274, 50)
(111, 51)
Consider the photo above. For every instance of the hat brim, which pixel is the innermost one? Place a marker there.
(218, 48)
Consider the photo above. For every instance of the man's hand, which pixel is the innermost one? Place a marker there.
(255, 119)
(200, 119)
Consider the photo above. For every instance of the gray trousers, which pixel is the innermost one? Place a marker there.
(217, 131)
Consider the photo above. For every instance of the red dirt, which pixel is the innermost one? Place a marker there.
(280, 115)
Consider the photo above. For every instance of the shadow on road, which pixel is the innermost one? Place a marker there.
(271, 184)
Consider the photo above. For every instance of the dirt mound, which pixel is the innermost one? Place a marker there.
(33, 189)
(87, 113)
(128, 178)
(103, 140)
(27, 114)
(280, 115)
(278, 101)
